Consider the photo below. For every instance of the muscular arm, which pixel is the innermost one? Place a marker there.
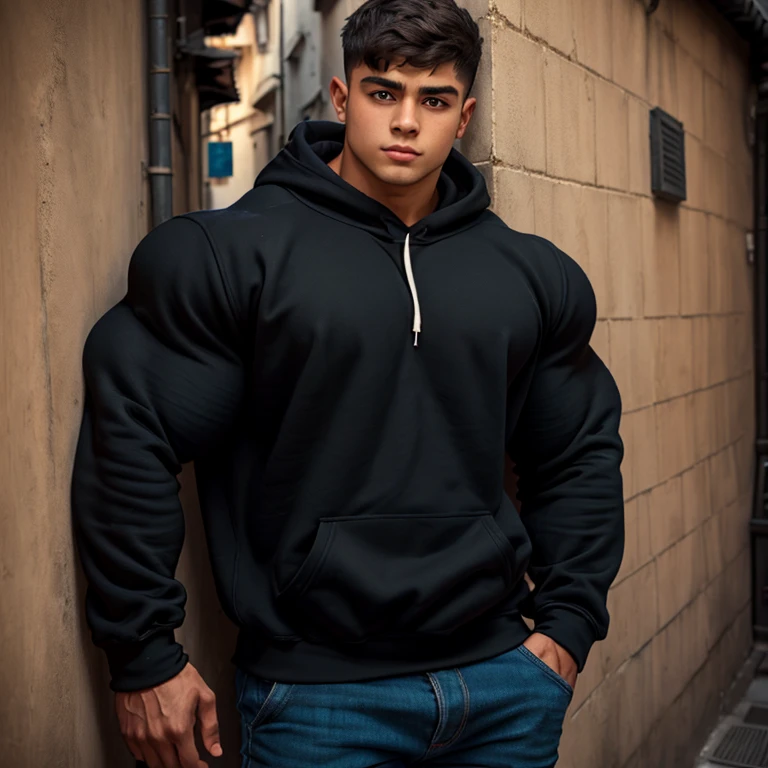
(164, 381)
(567, 452)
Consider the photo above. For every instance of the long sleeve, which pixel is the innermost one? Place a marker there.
(567, 451)
(164, 382)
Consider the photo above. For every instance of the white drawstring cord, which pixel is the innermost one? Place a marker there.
(414, 292)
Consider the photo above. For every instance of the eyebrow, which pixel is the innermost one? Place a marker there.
(426, 90)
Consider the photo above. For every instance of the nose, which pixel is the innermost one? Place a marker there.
(405, 120)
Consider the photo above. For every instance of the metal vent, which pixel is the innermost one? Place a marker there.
(667, 157)
(743, 746)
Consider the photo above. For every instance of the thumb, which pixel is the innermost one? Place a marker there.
(209, 724)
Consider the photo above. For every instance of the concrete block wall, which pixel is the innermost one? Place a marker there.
(562, 136)
(75, 203)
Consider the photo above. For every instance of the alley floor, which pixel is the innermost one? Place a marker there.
(740, 739)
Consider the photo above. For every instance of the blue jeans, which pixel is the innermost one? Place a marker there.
(506, 711)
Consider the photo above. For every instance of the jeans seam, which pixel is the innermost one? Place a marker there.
(249, 730)
(267, 712)
(440, 710)
(283, 704)
(464, 718)
(242, 690)
(246, 756)
(264, 708)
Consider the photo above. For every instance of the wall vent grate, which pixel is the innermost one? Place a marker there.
(743, 746)
(668, 179)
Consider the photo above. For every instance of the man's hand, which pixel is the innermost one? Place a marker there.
(158, 724)
(554, 656)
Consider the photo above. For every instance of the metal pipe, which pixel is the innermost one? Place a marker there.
(758, 542)
(283, 132)
(160, 165)
(761, 259)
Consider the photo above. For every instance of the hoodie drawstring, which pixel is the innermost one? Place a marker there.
(414, 292)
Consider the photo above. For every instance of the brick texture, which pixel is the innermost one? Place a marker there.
(570, 119)
(518, 88)
(612, 105)
(568, 154)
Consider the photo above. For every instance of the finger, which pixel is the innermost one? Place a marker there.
(209, 724)
(150, 756)
(188, 754)
(134, 748)
(166, 751)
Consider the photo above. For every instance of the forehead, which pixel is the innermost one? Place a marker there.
(410, 76)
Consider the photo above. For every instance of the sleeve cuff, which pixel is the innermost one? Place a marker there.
(571, 629)
(145, 664)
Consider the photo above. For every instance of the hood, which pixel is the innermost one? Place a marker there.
(302, 168)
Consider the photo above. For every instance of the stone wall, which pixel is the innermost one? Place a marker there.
(562, 137)
(75, 202)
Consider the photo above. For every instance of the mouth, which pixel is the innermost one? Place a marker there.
(402, 154)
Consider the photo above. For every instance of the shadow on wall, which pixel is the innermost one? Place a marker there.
(208, 636)
(106, 729)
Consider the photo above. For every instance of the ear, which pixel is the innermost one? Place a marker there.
(466, 115)
(339, 97)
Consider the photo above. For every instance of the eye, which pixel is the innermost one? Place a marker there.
(433, 101)
(382, 95)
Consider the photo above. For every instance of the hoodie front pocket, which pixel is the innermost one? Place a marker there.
(372, 576)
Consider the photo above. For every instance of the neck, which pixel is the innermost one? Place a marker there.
(409, 203)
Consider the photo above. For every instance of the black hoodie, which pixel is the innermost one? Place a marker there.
(349, 467)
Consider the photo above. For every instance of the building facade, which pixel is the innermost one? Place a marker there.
(254, 125)
(281, 73)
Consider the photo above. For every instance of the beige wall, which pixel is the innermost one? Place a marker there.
(74, 203)
(563, 138)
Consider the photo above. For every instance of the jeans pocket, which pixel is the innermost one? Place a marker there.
(260, 701)
(532, 658)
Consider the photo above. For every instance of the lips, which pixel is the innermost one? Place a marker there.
(402, 148)
(401, 153)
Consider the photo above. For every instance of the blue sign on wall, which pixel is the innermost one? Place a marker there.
(219, 159)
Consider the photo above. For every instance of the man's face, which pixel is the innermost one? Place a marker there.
(401, 124)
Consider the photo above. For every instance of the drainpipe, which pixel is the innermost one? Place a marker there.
(283, 130)
(759, 525)
(761, 256)
(160, 170)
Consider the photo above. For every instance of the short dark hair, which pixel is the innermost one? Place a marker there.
(426, 33)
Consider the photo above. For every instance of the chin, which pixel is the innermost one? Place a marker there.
(400, 177)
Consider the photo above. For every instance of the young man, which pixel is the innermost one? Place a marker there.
(347, 353)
